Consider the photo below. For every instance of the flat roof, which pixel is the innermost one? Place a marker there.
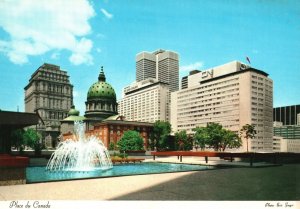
(18, 118)
(235, 73)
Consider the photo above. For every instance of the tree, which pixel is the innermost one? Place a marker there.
(111, 146)
(32, 139)
(183, 141)
(131, 141)
(17, 139)
(160, 134)
(201, 136)
(230, 140)
(248, 131)
(215, 136)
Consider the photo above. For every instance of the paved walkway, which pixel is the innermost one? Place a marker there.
(235, 183)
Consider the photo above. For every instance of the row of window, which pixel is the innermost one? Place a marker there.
(53, 76)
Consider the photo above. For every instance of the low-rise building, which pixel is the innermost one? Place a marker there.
(286, 138)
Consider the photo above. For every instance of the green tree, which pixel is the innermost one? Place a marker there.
(248, 131)
(180, 139)
(32, 139)
(230, 140)
(131, 141)
(17, 139)
(215, 135)
(183, 141)
(160, 134)
(111, 146)
(201, 136)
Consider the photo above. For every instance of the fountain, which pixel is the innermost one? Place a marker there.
(80, 154)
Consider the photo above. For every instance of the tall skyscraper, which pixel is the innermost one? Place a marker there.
(233, 95)
(50, 93)
(162, 65)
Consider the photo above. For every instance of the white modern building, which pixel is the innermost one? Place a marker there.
(233, 95)
(162, 65)
(145, 101)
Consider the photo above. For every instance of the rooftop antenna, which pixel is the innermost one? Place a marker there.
(248, 60)
(18, 108)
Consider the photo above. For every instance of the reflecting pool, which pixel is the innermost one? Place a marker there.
(40, 174)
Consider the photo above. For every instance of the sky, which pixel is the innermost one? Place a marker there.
(82, 35)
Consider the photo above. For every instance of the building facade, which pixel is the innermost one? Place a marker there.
(145, 101)
(50, 93)
(162, 65)
(286, 138)
(232, 95)
(287, 114)
(112, 129)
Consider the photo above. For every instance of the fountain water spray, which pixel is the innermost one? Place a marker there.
(80, 154)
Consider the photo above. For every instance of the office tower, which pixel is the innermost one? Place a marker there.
(233, 95)
(162, 65)
(287, 114)
(145, 101)
(49, 92)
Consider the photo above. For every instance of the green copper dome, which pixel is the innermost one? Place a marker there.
(73, 111)
(101, 89)
(73, 115)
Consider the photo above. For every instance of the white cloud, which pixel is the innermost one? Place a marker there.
(37, 26)
(194, 66)
(106, 14)
(81, 52)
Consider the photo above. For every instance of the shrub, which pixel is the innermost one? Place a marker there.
(131, 141)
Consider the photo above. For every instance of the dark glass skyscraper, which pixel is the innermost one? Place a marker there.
(287, 115)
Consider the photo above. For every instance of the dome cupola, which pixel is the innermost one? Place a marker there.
(101, 100)
(73, 111)
(101, 90)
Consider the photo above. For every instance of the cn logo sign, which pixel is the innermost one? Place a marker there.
(244, 67)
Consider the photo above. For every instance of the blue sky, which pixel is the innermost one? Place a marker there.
(81, 36)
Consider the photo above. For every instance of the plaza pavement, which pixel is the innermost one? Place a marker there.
(238, 182)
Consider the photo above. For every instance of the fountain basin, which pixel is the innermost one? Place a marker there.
(39, 174)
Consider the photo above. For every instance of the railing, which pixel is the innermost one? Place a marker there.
(229, 155)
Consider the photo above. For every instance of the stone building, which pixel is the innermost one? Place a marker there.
(50, 93)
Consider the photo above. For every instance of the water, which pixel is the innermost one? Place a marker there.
(40, 174)
(80, 154)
